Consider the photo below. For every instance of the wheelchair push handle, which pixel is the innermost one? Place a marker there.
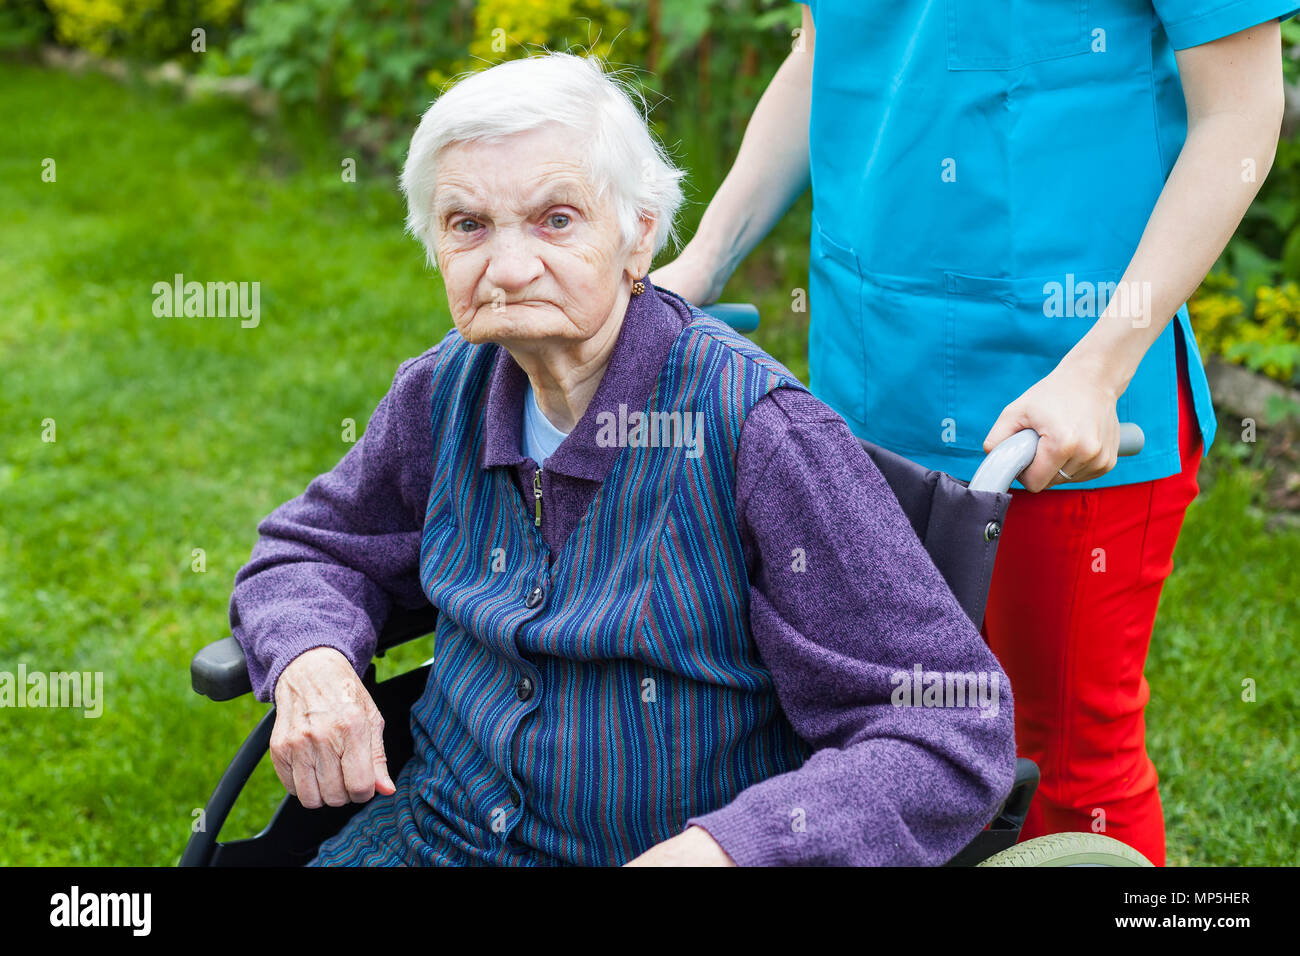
(1012, 456)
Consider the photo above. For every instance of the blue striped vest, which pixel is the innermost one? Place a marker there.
(646, 701)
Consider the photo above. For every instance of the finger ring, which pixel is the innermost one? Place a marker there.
(1064, 475)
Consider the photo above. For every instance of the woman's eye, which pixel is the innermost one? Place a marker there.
(460, 226)
(557, 220)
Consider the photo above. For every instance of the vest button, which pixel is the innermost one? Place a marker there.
(524, 688)
(514, 796)
(534, 597)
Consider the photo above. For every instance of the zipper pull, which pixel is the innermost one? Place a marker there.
(537, 495)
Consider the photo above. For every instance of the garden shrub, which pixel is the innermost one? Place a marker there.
(148, 29)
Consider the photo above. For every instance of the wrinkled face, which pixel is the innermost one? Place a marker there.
(526, 251)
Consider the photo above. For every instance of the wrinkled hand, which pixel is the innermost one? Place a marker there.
(1073, 411)
(328, 741)
(692, 847)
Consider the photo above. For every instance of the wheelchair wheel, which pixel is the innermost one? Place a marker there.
(1069, 849)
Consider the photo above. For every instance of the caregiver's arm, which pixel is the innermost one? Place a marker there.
(770, 172)
(1233, 89)
(845, 604)
(326, 569)
(1235, 102)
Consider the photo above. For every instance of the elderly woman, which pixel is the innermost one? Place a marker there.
(681, 614)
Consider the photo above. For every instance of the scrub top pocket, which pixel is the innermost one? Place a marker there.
(1007, 34)
(1002, 337)
(903, 328)
(835, 349)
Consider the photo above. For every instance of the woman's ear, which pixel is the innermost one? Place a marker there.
(643, 247)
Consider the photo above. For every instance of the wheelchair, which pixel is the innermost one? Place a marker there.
(958, 523)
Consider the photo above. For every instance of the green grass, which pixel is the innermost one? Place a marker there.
(1228, 613)
(176, 434)
(172, 434)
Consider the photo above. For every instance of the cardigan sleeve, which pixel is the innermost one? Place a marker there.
(845, 607)
(329, 565)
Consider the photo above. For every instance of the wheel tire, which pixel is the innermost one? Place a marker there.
(1069, 849)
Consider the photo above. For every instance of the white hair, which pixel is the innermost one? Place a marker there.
(620, 156)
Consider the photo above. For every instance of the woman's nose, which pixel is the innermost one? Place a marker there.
(513, 261)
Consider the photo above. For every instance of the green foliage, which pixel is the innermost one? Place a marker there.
(377, 66)
(1291, 50)
(323, 51)
(151, 29)
(295, 48)
(1268, 341)
(24, 25)
(1271, 344)
(1216, 312)
(1266, 247)
(364, 65)
(714, 58)
(708, 63)
(510, 29)
(507, 29)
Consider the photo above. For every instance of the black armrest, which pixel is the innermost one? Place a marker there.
(220, 672)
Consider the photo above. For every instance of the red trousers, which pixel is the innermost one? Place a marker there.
(1070, 612)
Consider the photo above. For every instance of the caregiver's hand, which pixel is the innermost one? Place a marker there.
(691, 277)
(328, 741)
(1073, 411)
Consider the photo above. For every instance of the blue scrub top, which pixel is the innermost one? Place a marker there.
(982, 171)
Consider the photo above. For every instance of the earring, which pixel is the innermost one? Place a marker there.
(638, 287)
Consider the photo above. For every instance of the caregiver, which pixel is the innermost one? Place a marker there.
(1011, 199)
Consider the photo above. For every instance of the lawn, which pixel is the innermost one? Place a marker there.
(177, 434)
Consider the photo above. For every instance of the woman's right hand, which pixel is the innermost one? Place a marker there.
(328, 741)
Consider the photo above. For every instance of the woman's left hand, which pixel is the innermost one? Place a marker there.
(1073, 411)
